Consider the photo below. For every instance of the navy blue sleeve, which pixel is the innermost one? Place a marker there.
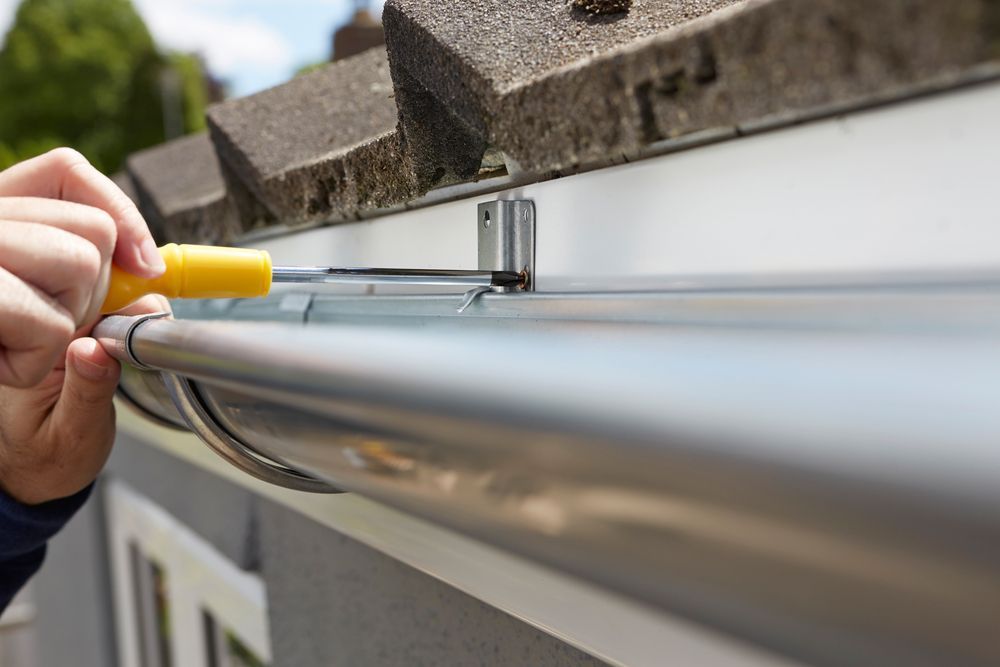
(24, 530)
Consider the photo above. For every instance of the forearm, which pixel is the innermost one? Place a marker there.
(24, 532)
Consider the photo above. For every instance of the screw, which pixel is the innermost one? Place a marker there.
(486, 219)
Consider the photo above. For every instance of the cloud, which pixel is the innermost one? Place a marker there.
(7, 10)
(252, 44)
(229, 43)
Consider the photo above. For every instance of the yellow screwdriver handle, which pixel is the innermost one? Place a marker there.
(195, 272)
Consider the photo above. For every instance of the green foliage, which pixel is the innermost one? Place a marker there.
(86, 73)
(193, 91)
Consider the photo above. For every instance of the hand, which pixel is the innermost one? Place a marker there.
(62, 223)
(56, 436)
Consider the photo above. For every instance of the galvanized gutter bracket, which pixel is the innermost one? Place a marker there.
(506, 232)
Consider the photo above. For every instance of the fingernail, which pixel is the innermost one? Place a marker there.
(150, 256)
(90, 370)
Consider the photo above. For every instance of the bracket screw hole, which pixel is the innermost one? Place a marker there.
(486, 219)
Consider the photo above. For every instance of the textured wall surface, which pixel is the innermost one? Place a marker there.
(74, 623)
(332, 600)
(223, 514)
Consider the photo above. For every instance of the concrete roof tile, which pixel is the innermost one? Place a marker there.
(180, 191)
(555, 87)
(321, 147)
(552, 86)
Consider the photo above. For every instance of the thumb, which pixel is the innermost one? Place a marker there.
(89, 385)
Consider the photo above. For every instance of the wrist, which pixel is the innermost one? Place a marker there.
(37, 487)
(28, 527)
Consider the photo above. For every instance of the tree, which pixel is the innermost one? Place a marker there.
(86, 73)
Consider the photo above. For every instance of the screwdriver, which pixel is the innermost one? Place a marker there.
(209, 272)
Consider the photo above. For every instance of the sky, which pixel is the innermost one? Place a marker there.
(249, 44)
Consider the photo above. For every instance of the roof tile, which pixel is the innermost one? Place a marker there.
(180, 191)
(554, 87)
(321, 147)
(543, 86)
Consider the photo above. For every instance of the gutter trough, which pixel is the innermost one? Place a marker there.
(830, 494)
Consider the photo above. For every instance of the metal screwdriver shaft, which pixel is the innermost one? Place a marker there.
(441, 277)
(209, 272)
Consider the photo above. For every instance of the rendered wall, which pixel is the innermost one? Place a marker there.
(332, 601)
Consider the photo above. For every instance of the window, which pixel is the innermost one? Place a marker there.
(224, 648)
(151, 622)
(178, 601)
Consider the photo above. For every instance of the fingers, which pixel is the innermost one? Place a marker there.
(91, 375)
(84, 406)
(65, 266)
(68, 451)
(151, 303)
(86, 222)
(34, 332)
(65, 174)
(91, 223)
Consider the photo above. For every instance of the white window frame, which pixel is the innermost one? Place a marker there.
(198, 578)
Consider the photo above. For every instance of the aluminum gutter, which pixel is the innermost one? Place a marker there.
(811, 467)
(816, 492)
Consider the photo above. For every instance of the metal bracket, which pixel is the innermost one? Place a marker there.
(507, 239)
(506, 231)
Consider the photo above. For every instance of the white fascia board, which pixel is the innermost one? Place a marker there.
(897, 190)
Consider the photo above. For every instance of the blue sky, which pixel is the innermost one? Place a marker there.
(251, 44)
